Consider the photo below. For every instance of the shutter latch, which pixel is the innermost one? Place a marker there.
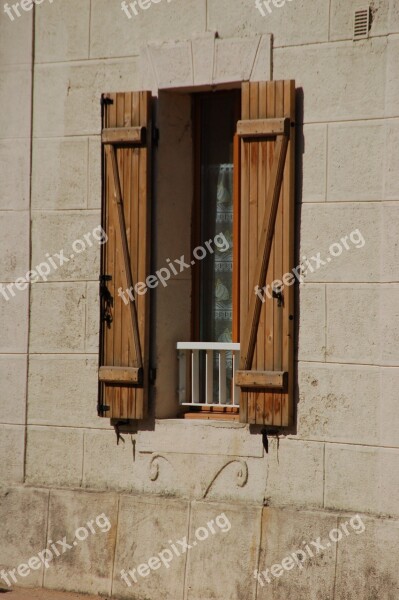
(107, 300)
(278, 294)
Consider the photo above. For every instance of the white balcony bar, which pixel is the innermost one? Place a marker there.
(215, 356)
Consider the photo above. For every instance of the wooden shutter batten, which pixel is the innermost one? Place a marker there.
(124, 135)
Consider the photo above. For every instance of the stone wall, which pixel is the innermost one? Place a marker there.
(61, 465)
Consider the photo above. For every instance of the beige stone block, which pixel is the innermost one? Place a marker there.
(76, 376)
(114, 34)
(342, 19)
(391, 191)
(62, 31)
(88, 521)
(60, 172)
(23, 515)
(388, 399)
(294, 22)
(14, 320)
(356, 161)
(314, 163)
(389, 324)
(77, 233)
(54, 456)
(285, 532)
(361, 478)
(94, 195)
(352, 324)
(16, 39)
(13, 388)
(347, 240)
(58, 317)
(116, 468)
(392, 77)
(14, 174)
(203, 49)
(343, 403)
(262, 69)
(295, 476)
(223, 438)
(234, 59)
(15, 98)
(235, 541)
(390, 242)
(172, 63)
(312, 322)
(146, 527)
(12, 444)
(338, 86)
(367, 560)
(14, 245)
(92, 339)
(393, 17)
(67, 96)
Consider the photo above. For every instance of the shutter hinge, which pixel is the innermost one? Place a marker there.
(102, 408)
(155, 136)
(106, 100)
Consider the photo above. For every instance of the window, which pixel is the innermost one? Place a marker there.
(239, 359)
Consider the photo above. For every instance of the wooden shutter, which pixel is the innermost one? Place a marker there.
(124, 330)
(266, 216)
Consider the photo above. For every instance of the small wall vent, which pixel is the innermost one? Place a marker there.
(361, 23)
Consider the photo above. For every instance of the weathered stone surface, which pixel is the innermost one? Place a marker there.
(16, 39)
(50, 460)
(67, 96)
(146, 527)
(389, 324)
(235, 541)
(14, 320)
(94, 173)
(314, 163)
(335, 79)
(350, 469)
(92, 338)
(391, 188)
(60, 172)
(23, 517)
(346, 237)
(342, 19)
(62, 31)
(76, 376)
(14, 174)
(12, 442)
(58, 317)
(234, 59)
(172, 63)
(15, 94)
(295, 473)
(345, 403)
(352, 324)
(367, 563)
(13, 388)
(355, 161)
(88, 521)
(291, 22)
(392, 75)
(312, 322)
(14, 246)
(77, 234)
(285, 532)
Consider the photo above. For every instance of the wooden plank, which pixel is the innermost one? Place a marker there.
(119, 374)
(261, 379)
(259, 128)
(236, 238)
(124, 135)
(251, 327)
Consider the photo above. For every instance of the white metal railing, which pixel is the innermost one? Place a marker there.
(206, 373)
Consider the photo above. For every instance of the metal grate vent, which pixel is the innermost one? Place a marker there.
(361, 23)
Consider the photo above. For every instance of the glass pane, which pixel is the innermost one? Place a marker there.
(218, 122)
